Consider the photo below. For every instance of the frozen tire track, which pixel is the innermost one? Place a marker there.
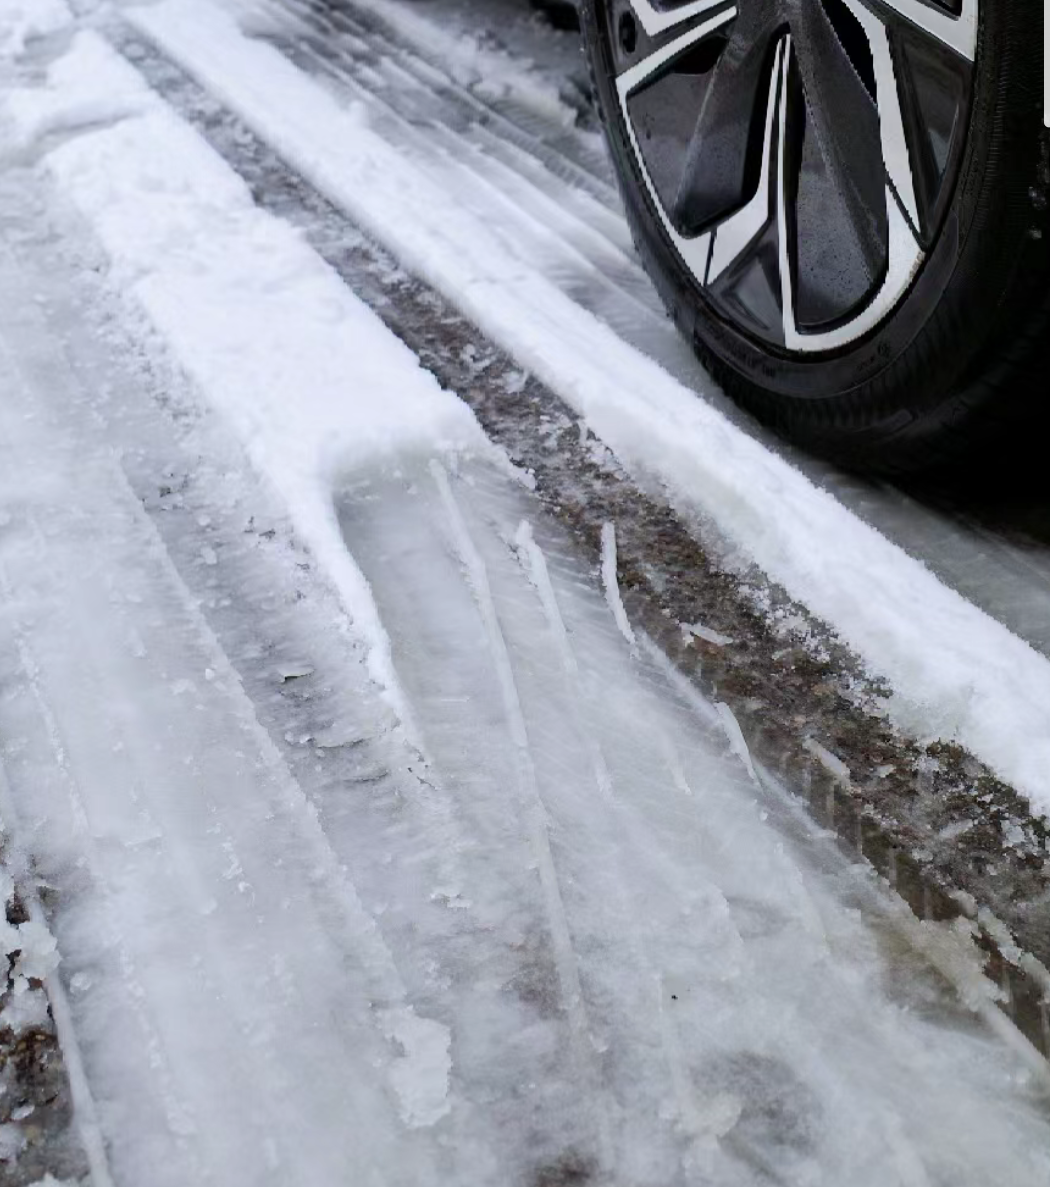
(690, 1117)
(424, 861)
(140, 765)
(530, 799)
(720, 989)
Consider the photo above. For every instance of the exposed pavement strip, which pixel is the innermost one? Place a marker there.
(952, 839)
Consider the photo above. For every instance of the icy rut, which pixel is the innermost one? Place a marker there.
(697, 951)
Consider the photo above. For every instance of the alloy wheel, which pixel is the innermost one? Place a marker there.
(800, 154)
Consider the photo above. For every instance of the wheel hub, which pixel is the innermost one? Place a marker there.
(799, 152)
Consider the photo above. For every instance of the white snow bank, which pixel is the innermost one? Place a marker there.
(21, 20)
(310, 378)
(956, 672)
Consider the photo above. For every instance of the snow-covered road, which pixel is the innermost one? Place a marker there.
(380, 846)
(544, 268)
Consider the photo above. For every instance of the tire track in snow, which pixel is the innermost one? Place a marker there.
(536, 815)
(113, 802)
(482, 973)
(764, 1025)
(695, 1124)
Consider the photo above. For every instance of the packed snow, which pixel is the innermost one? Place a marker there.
(380, 848)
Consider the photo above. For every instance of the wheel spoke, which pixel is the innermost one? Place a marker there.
(655, 21)
(787, 296)
(734, 235)
(851, 150)
(891, 121)
(958, 33)
(720, 167)
(905, 257)
(630, 80)
(694, 251)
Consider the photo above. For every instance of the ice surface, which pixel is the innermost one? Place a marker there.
(241, 1018)
(611, 583)
(735, 1005)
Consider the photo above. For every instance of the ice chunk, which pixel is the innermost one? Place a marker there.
(420, 1072)
(706, 633)
(830, 762)
(611, 584)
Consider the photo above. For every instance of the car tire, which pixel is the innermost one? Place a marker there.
(879, 187)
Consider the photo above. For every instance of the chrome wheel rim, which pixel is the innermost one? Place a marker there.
(800, 154)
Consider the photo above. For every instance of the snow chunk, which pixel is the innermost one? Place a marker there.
(25, 1011)
(73, 98)
(37, 957)
(37, 952)
(22, 20)
(420, 1073)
